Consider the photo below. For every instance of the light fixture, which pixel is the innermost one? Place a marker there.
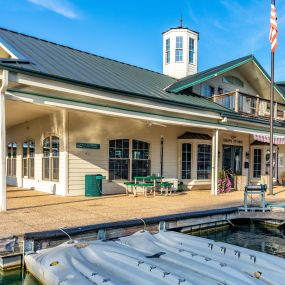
(151, 123)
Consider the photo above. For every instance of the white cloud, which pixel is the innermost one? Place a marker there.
(61, 7)
(220, 26)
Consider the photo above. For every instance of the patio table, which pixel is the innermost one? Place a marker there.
(149, 181)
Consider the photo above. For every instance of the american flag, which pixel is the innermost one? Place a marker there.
(273, 27)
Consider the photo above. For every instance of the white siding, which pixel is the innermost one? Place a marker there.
(90, 128)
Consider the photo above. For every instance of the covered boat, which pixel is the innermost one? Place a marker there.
(162, 258)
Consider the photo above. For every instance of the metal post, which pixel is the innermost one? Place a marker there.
(4, 85)
(271, 125)
(161, 155)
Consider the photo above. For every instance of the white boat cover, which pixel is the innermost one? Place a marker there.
(163, 258)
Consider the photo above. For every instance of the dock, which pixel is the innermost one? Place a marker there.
(34, 218)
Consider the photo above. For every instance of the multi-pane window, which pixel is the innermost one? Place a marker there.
(51, 158)
(233, 80)
(119, 159)
(208, 90)
(167, 50)
(204, 161)
(191, 50)
(140, 158)
(11, 159)
(186, 161)
(29, 159)
(121, 167)
(257, 163)
(179, 49)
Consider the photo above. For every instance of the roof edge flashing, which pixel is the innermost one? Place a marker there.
(214, 74)
(10, 50)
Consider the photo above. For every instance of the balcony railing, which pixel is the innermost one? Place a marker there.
(249, 105)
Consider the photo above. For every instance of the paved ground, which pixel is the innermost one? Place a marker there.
(30, 211)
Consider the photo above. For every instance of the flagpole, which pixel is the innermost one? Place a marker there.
(273, 41)
(271, 125)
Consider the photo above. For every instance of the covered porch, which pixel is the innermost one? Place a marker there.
(51, 149)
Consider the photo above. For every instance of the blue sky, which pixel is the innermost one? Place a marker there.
(130, 31)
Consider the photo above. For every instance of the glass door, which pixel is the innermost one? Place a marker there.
(267, 163)
(232, 161)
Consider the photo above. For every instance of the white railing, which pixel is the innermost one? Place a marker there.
(249, 104)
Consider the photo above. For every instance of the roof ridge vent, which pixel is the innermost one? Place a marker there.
(14, 61)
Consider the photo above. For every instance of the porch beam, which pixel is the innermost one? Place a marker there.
(3, 187)
(106, 110)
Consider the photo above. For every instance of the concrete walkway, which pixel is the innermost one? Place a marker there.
(30, 211)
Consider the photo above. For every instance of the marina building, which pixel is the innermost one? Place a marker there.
(66, 113)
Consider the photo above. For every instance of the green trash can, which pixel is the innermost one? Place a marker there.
(93, 185)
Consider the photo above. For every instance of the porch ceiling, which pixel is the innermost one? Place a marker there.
(19, 112)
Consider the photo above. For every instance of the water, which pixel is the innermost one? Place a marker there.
(246, 234)
(17, 277)
(251, 235)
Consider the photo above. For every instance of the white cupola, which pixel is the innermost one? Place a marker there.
(180, 52)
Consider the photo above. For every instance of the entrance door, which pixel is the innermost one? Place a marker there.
(232, 161)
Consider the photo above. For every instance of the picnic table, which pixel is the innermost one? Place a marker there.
(151, 182)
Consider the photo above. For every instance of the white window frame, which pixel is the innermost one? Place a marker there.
(191, 160)
(11, 161)
(130, 157)
(51, 158)
(179, 47)
(208, 144)
(263, 149)
(167, 51)
(29, 160)
(191, 50)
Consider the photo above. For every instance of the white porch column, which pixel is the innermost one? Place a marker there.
(65, 167)
(4, 85)
(215, 162)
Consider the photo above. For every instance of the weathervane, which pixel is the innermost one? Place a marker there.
(181, 22)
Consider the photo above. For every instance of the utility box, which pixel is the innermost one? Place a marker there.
(93, 185)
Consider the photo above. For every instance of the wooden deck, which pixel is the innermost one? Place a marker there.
(30, 211)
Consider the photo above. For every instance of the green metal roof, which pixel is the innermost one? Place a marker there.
(200, 77)
(43, 58)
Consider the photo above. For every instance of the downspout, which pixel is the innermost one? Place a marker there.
(3, 187)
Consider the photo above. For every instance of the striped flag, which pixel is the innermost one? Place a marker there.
(273, 27)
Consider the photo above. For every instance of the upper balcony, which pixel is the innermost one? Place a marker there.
(249, 105)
